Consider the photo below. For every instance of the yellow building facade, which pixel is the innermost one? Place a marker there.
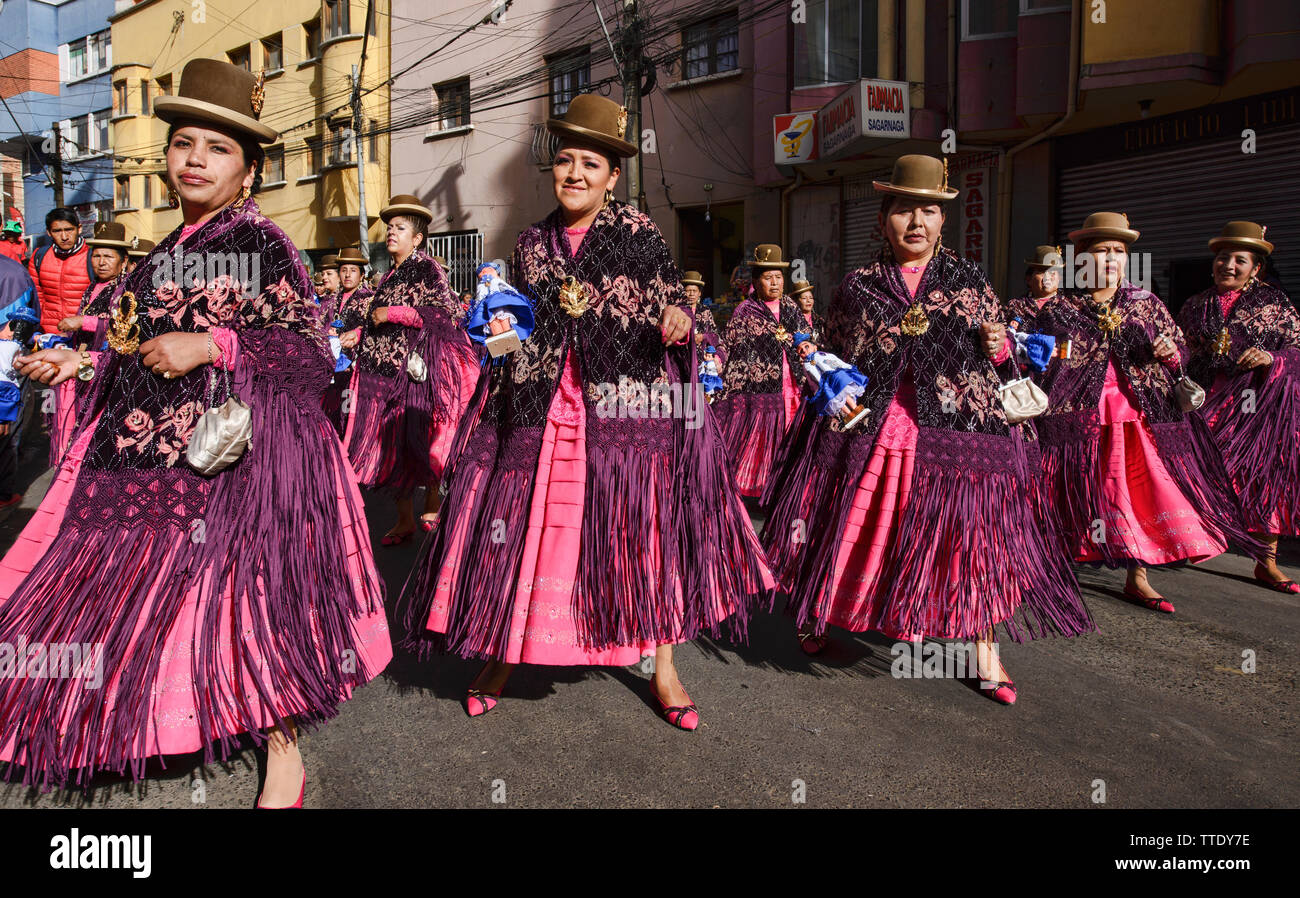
(308, 50)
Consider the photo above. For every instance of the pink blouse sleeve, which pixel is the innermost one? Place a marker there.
(227, 346)
(404, 315)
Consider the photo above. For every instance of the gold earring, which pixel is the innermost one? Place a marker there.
(609, 195)
(243, 197)
(173, 199)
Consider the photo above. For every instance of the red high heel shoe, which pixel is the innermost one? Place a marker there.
(390, 540)
(812, 643)
(486, 701)
(684, 717)
(296, 806)
(1159, 603)
(1287, 586)
(427, 524)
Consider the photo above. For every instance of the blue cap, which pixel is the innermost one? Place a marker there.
(22, 313)
(802, 338)
(493, 265)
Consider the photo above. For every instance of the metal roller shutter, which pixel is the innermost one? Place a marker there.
(1179, 199)
(860, 238)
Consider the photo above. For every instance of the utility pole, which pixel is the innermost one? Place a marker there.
(58, 165)
(632, 95)
(360, 154)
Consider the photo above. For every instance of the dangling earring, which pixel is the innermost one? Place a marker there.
(243, 197)
(173, 199)
(938, 244)
(609, 195)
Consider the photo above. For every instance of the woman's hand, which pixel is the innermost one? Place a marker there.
(1163, 348)
(675, 325)
(49, 366)
(349, 339)
(498, 326)
(993, 334)
(70, 324)
(176, 354)
(379, 314)
(1254, 358)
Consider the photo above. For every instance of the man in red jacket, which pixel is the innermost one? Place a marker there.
(61, 271)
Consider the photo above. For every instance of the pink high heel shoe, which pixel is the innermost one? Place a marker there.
(1288, 586)
(427, 524)
(478, 702)
(296, 806)
(684, 717)
(1159, 603)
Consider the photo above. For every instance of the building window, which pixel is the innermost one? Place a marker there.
(163, 86)
(122, 193)
(450, 105)
(148, 192)
(273, 168)
(374, 140)
(100, 53)
(144, 96)
(838, 44)
(100, 129)
(1032, 6)
(711, 47)
(570, 74)
(273, 53)
(336, 18)
(340, 142)
(77, 67)
(163, 189)
(242, 57)
(119, 97)
(102, 210)
(79, 136)
(370, 22)
(988, 18)
(311, 38)
(313, 155)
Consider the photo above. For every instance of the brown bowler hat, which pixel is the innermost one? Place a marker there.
(351, 255)
(1046, 257)
(405, 204)
(693, 277)
(1103, 226)
(920, 177)
(328, 263)
(1245, 234)
(595, 120)
(140, 248)
(219, 93)
(767, 255)
(800, 287)
(110, 233)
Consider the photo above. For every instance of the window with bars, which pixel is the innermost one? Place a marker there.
(450, 105)
(711, 47)
(336, 18)
(570, 74)
(838, 44)
(273, 53)
(273, 167)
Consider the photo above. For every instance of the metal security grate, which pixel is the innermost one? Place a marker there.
(463, 251)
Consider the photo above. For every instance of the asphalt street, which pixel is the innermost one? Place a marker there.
(1151, 711)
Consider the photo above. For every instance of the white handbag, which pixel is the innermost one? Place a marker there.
(416, 369)
(1022, 399)
(221, 434)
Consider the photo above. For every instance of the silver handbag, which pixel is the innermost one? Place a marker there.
(1189, 393)
(416, 369)
(1022, 399)
(222, 433)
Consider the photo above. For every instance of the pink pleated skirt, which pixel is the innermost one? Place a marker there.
(759, 445)
(174, 716)
(1145, 514)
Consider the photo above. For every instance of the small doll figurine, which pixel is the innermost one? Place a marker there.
(711, 373)
(836, 384)
(496, 300)
(341, 360)
(1034, 350)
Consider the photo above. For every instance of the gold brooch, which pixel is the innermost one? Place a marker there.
(622, 121)
(782, 335)
(914, 322)
(1222, 343)
(259, 94)
(573, 297)
(124, 333)
(1108, 319)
